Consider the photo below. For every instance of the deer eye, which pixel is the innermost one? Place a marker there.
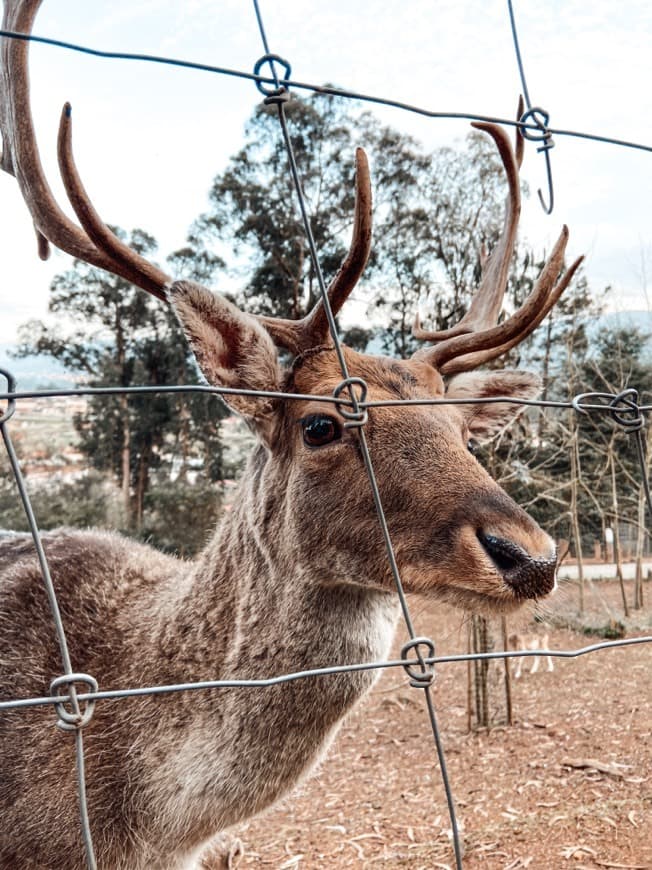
(472, 446)
(318, 429)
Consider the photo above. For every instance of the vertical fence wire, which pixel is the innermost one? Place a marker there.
(534, 124)
(534, 114)
(76, 721)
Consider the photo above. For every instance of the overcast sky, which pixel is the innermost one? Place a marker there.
(149, 139)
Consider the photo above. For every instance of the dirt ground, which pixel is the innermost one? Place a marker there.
(568, 785)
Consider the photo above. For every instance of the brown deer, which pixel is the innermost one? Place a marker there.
(530, 642)
(296, 575)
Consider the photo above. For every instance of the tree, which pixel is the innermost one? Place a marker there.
(608, 455)
(433, 214)
(124, 338)
(88, 501)
(252, 204)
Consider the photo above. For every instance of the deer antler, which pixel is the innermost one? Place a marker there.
(478, 338)
(312, 330)
(93, 242)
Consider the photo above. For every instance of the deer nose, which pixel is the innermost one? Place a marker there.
(528, 577)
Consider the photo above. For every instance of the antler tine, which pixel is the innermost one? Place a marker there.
(523, 322)
(125, 261)
(353, 266)
(487, 302)
(476, 339)
(312, 330)
(486, 345)
(21, 158)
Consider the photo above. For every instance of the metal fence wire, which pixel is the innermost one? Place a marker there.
(73, 695)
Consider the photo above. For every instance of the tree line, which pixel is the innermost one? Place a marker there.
(435, 213)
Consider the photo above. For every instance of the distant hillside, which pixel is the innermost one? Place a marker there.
(641, 320)
(35, 372)
(44, 373)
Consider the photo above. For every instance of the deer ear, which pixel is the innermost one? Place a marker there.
(231, 347)
(484, 419)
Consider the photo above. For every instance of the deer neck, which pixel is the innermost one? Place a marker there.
(257, 608)
(249, 608)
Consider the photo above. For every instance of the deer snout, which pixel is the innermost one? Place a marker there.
(527, 575)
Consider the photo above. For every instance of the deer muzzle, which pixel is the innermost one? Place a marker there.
(528, 576)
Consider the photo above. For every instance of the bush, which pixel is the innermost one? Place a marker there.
(179, 517)
(88, 501)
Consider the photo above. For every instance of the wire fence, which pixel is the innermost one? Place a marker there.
(73, 695)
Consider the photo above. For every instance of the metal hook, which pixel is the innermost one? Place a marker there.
(551, 194)
(542, 134)
(537, 115)
(67, 720)
(424, 676)
(358, 416)
(626, 402)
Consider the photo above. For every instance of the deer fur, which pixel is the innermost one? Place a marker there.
(295, 577)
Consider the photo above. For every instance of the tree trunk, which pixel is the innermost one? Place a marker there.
(508, 674)
(575, 478)
(641, 534)
(575, 525)
(184, 440)
(142, 481)
(125, 463)
(616, 528)
(123, 403)
(469, 677)
(478, 711)
(545, 374)
(297, 312)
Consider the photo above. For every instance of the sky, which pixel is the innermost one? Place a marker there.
(149, 139)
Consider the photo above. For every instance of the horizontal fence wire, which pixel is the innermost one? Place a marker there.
(327, 90)
(578, 403)
(622, 407)
(266, 682)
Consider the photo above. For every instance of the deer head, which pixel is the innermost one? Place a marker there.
(455, 532)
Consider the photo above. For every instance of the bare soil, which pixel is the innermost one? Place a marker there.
(569, 784)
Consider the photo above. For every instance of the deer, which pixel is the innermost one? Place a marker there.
(295, 577)
(530, 642)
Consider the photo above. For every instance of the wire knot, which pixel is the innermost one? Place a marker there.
(623, 407)
(425, 674)
(11, 403)
(540, 118)
(626, 403)
(278, 93)
(358, 416)
(77, 717)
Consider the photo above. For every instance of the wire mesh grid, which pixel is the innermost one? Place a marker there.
(73, 695)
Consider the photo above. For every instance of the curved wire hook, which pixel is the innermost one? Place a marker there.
(551, 193)
(539, 116)
(542, 134)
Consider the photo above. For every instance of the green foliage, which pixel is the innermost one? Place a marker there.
(87, 501)
(253, 210)
(433, 213)
(608, 459)
(179, 516)
(125, 338)
(612, 630)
